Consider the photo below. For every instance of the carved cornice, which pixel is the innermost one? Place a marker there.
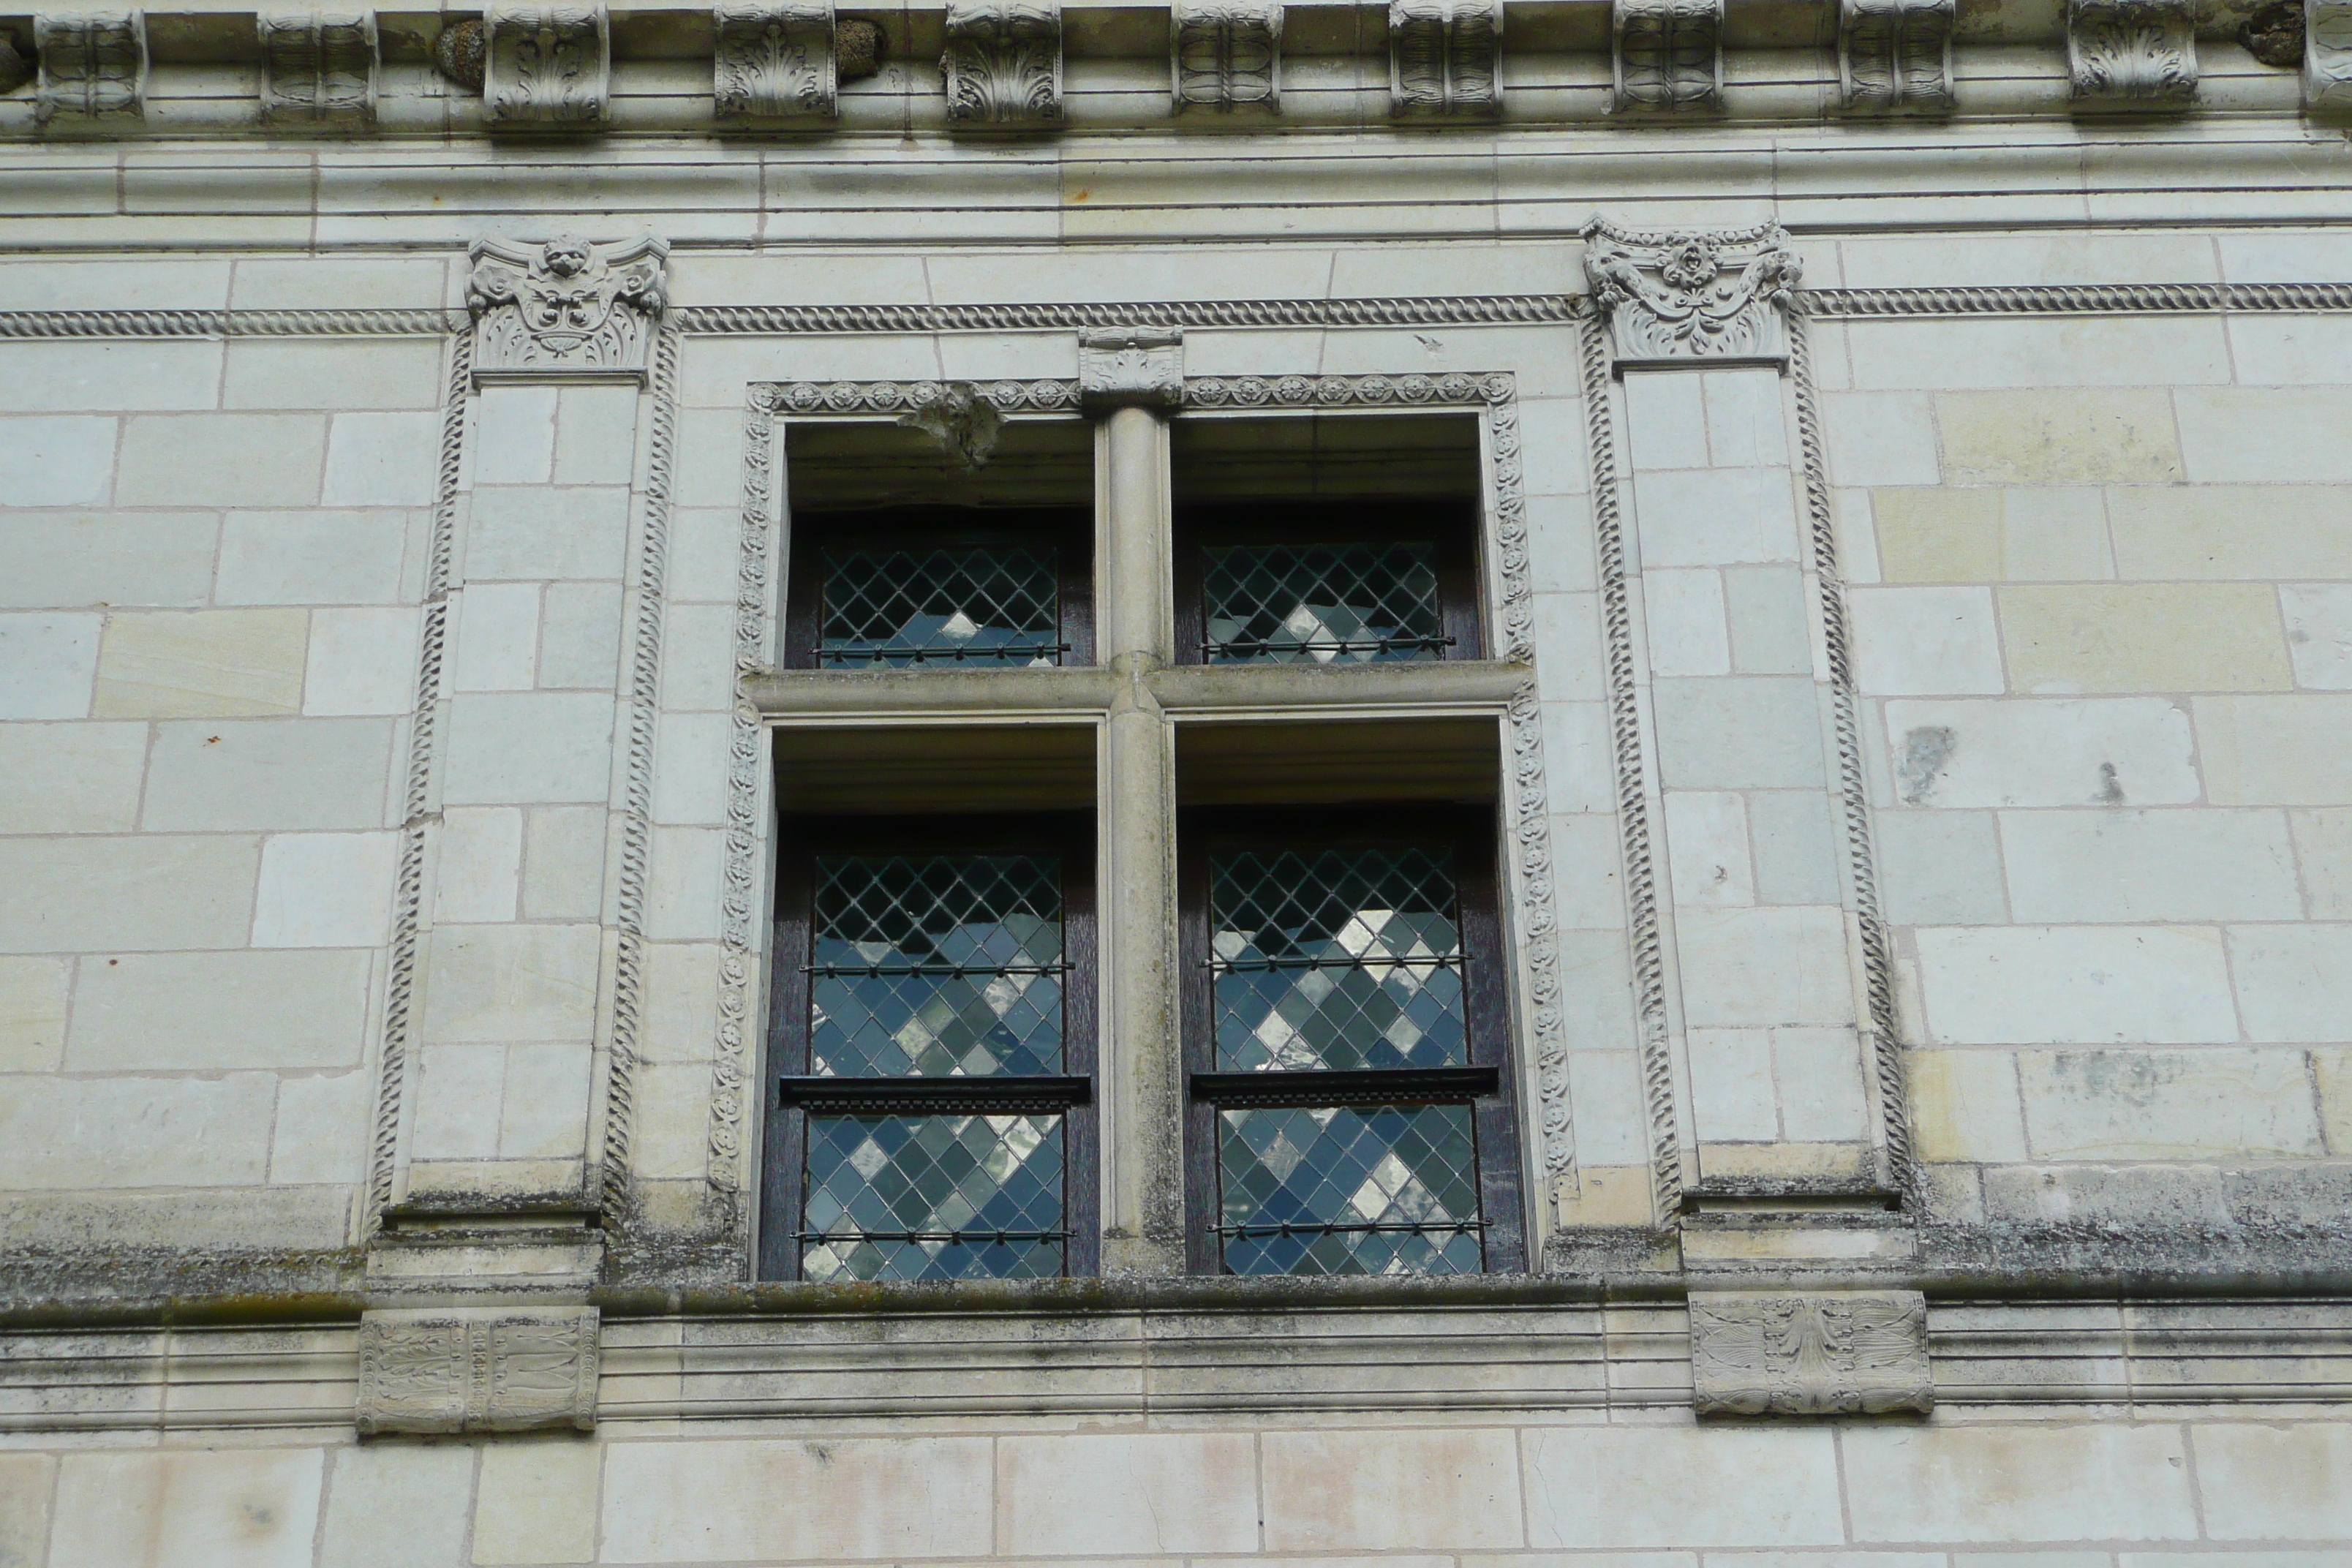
(2131, 53)
(93, 68)
(318, 68)
(1002, 65)
(774, 60)
(480, 1369)
(1667, 54)
(1445, 56)
(1784, 1354)
(2327, 57)
(1896, 54)
(548, 66)
(566, 308)
(1226, 54)
(1132, 367)
(1678, 298)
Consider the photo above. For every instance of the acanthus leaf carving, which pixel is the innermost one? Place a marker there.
(1445, 56)
(1003, 64)
(2327, 57)
(1896, 54)
(1843, 1352)
(1132, 366)
(478, 1369)
(1226, 54)
(2131, 53)
(1707, 295)
(1667, 54)
(318, 66)
(547, 65)
(567, 306)
(93, 67)
(774, 60)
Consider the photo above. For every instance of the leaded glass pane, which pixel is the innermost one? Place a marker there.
(935, 965)
(1391, 1189)
(1297, 604)
(1339, 959)
(992, 606)
(933, 1197)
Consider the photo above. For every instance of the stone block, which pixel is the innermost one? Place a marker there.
(543, 1106)
(1925, 642)
(478, 870)
(1551, 432)
(2144, 636)
(25, 1480)
(63, 460)
(1947, 353)
(321, 1133)
(47, 663)
(71, 778)
(2074, 985)
(498, 638)
(1732, 1098)
(2276, 751)
(1706, 849)
(2323, 849)
(325, 890)
(2246, 434)
(1597, 1486)
(2295, 983)
(122, 895)
(564, 861)
(1568, 649)
(1579, 761)
(2023, 437)
(111, 559)
(1144, 1493)
(255, 1507)
(1400, 1489)
(1683, 617)
(2259, 533)
(65, 1132)
(183, 664)
(690, 766)
(537, 1502)
(476, 1369)
(681, 1006)
(832, 1499)
(2168, 1105)
(220, 459)
(1769, 610)
(706, 548)
(460, 1095)
(1747, 418)
(513, 438)
(147, 1012)
(311, 558)
(2076, 867)
(1988, 535)
(1561, 551)
(539, 532)
(397, 1506)
(1965, 1106)
(2319, 634)
(1880, 438)
(579, 635)
(1796, 846)
(1817, 1077)
(2053, 752)
(529, 748)
(1666, 420)
(32, 1014)
(332, 282)
(1739, 732)
(1587, 890)
(671, 1140)
(1939, 868)
(683, 891)
(2281, 1482)
(382, 460)
(2018, 1482)
(361, 662)
(108, 376)
(1714, 516)
(1611, 1124)
(699, 658)
(212, 776)
(596, 435)
(511, 983)
(278, 372)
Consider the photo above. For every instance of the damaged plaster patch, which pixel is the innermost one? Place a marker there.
(1924, 751)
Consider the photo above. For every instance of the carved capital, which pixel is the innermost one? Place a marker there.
(774, 60)
(1132, 367)
(1003, 62)
(2327, 57)
(1445, 56)
(1704, 297)
(1846, 1352)
(478, 1369)
(1668, 54)
(1226, 54)
(2131, 53)
(1895, 56)
(93, 67)
(566, 309)
(318, 68)
(547, 66)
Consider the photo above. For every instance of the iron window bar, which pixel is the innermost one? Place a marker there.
(1316, 962)
(962, 1237)
(953, 970)
(924, 653)
(1353, 1086)
(1354, 1228)
(1339, 644)
(975, 1096)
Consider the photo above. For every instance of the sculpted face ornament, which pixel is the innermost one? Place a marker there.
(565, 305)
(1674, 296)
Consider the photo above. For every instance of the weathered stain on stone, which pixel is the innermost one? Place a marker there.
(1924, 751)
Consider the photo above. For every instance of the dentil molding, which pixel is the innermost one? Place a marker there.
(774, 60)
(478, 1369)
(93, 68)
(1895, 56)
(318, 68)
(1672, 299)
(2131, 53)
(1666, 54)
(1445, 56)
(1226, 54)
(1847, 1352)
(1002, 65)
(548, 66)
(566, 308)
(1132, 367)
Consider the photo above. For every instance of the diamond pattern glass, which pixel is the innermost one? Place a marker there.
(1322, 603)
(935, 965)
(971, 607)
(1391, 1189)
(1340, 959)
(933, 1197)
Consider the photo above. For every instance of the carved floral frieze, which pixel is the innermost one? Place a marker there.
(1848, 1352)
(1002, 65)
(1668, 54)
(1896, 54)
(318, 68)
(1137, 366)
(93, 67)
(480, 1368)
(567, 307)
(1671, 299)
(547, 66)
(774, 60)
(1445, 56)
(2327, 57)
(2131, 53)
(1226, 54)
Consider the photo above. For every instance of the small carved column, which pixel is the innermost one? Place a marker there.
(1131, 379)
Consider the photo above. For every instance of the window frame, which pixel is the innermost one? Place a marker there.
(800, 837)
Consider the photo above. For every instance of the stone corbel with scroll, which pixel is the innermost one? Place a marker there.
(549, 67)
(1132, 367)
(1003, 66)
(2131, 53)
(1667, 55)
(1712, 296)
(774, 60)
(1226, 54)
(565, 310)
(93, 68)
(319, 68)
(1895, 56)
(2327, 57)
(1445, 56)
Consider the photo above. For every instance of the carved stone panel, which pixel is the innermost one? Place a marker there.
(548, 66)
(1135, 366)
(1226, 54)
(1003, 62)
(1675, 299)
(1896, 54)
(478, 1369)
(318, 68)
(1668, 54)
(774, 60)
(93, 67)
(2327, 57)
(566, 309)
(1445, 56)
(2131, 53)
(1845, 1352)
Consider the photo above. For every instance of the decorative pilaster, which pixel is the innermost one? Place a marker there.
(774, 60)
(1002, 65)
(1226, 54)
(1668, 54)
(1675, 299)
(567, 307)
(2131, 53)
(1445, 56)
(318, 68)
(547, 66)
(1138, 367)
(93, 67)
(1848, 1352)
(1895, 56)
(480, 1369)
(2327, 57)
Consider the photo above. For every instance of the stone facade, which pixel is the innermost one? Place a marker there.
(1915, 692)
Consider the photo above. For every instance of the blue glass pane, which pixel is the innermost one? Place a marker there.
(1321, 604)
(985, 607)
(933, 1197)
(1391, 1189)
